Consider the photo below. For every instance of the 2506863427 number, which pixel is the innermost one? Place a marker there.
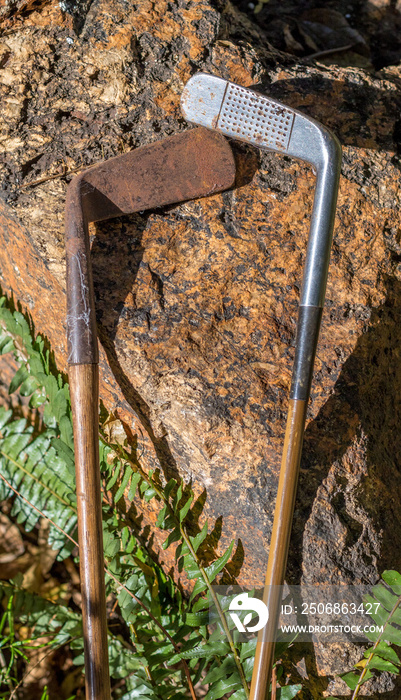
(339, 608)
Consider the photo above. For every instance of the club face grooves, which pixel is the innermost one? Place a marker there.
(241, 113)
(251, 117)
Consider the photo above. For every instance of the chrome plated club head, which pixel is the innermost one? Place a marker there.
(243, 114)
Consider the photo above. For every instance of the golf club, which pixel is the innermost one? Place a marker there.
(240, 113)
(193, 164)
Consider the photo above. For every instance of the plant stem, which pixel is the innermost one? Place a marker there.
(46, 517)
(219, 610)
(31, 668)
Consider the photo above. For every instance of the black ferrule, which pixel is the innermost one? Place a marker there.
(309, 318)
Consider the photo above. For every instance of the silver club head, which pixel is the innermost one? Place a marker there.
(243, 114)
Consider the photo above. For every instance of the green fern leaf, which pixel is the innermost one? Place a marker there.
(149, 493)
(135, 480)
(30, 385)
(221, 671)
(185, 508)
(168, 488)
(224, 686)
(200, 604)
(65, 427)
(19, 377)
(239, 695)
(392, 635)
(65, 452)
(6, 345)
(384, 596)
(191, 567)
(124, 483)
(393, 579)
(200, 537)
(351, 679)
(197, 620)
(248, 649)
(377, 613)
(199, 587)
(174, 536)
(382, 665)
(5, 416)
(113, 480)
(385, 651)
(161, 516)
(220, 648)
(217, 566)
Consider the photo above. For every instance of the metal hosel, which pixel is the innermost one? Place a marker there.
(316, 264)
(328, 167)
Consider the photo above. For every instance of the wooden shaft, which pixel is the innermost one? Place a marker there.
(84, 388)
(279, 544)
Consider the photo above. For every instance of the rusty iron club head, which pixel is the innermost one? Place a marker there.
(193, 164)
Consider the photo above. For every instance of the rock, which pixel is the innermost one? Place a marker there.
(197, 303)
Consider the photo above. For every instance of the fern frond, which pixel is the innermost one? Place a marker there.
(60, 625)
(172, 516)
(33, 468)
(385, 602)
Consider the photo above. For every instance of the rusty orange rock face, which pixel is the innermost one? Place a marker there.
(197, 303)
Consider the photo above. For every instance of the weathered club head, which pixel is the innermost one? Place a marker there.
(246, 115)
(243, 114)
(186, 166)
